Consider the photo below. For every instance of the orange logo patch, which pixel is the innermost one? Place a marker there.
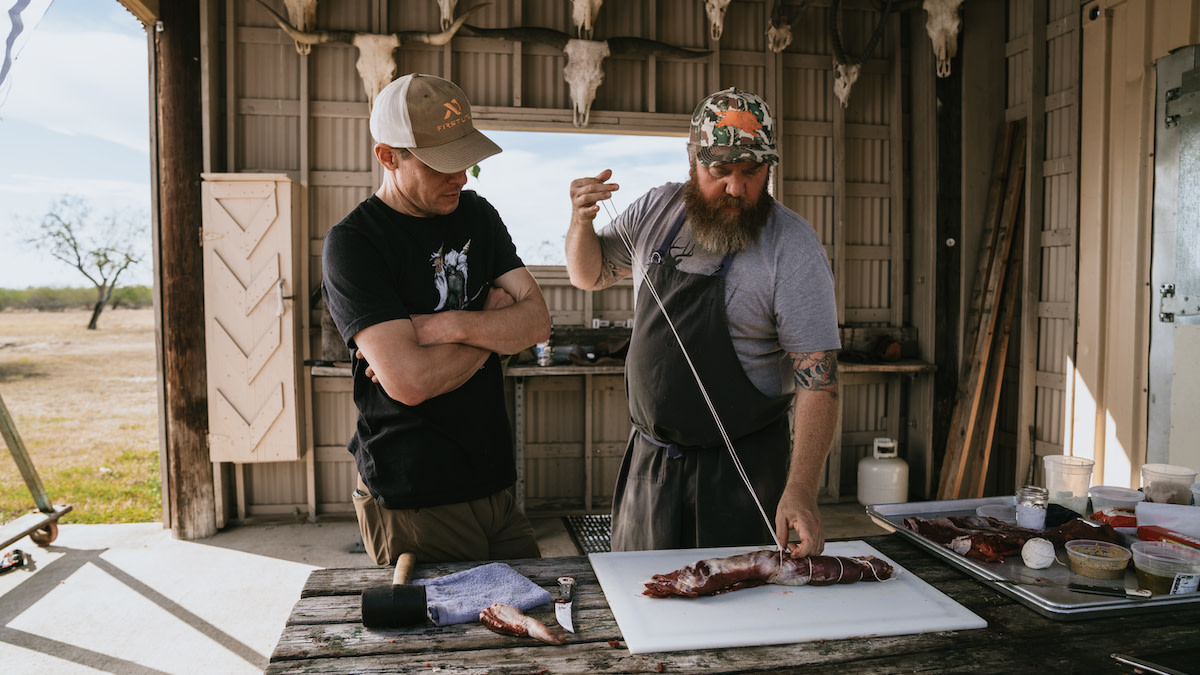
(742, 119)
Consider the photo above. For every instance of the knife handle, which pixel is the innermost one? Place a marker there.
(1140, 593)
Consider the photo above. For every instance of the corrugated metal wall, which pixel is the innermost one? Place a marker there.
(1121, 42)
(1043, 60)
(843, 169)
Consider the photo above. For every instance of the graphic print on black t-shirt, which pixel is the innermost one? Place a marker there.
(450, 278)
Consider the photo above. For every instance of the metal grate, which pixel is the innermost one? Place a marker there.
(591, 533)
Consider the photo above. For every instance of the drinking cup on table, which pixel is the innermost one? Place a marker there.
(1068, 480)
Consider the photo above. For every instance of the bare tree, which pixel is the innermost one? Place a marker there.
(100, 250)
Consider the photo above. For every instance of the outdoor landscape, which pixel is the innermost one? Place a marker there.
(85, 405)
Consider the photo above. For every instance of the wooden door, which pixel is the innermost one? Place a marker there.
(251, 323)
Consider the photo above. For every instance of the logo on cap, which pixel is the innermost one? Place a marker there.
(742, 119)
(453, 107)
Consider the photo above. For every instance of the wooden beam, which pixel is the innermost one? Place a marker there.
(189, 475)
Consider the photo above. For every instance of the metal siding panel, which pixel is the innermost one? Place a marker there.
(744, 27)
(683, 25)
(269, 143)
(275, 484)
(487, 76)
(335, 481)
(624, 87)
(808, 95)
(333, 75)
(679, 84)
(340, 144)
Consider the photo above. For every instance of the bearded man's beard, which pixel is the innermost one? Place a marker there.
(721, 231)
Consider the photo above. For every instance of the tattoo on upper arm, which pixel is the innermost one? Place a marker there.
(610, 273)
(816, 371)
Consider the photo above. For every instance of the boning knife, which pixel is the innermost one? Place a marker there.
(562, 606)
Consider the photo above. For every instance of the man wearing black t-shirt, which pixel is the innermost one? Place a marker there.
(426, 288)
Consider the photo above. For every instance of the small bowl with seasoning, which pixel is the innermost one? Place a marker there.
(1098, 559)
(1166, 568)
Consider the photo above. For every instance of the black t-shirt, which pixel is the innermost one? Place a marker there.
(379, 265)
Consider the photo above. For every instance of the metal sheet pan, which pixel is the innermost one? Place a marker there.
(1054, 603)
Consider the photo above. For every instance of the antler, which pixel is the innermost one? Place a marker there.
(546, 36)
(325, 36)
(646, 47)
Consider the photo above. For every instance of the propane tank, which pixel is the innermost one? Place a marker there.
(883, 478)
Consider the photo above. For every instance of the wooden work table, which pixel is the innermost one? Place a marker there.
(324, 634)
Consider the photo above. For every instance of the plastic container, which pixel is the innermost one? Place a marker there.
(1167, 483)
(883, 477)
(1067, 481)
(1108, 496)
(1098, 559)
(1165, 568)
(1195, 494)
(1002, 512)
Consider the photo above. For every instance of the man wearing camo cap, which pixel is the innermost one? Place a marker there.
(745, 286)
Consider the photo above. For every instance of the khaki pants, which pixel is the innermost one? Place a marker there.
(489, 528)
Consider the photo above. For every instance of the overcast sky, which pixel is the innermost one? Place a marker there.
(74, 114)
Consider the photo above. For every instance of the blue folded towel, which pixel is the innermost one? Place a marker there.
(460, 597)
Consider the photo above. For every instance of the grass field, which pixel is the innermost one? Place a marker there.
(84, 404)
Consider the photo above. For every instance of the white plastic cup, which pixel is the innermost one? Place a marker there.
(1067, 481)
(1167, 483)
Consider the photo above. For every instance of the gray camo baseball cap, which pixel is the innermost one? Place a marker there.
(732, 125)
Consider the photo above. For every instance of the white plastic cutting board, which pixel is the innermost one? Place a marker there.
(771, 614)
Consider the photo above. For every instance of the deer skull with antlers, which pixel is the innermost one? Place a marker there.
(584, 72)
(376, 63)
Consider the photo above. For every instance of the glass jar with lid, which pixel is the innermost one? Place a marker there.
(1032, 502)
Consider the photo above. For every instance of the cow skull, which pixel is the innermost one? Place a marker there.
(376, 63)
(943, 25)
(303, 15)
(447, 8)
(583, 15)
(715, 9)
(584, 70)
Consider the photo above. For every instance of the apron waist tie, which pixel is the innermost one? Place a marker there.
(673, 450)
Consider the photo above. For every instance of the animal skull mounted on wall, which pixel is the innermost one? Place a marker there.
(584, 70)
(376, 63)
(447, 7)
(715, 9)
(303, 15)
(779, 33)
(583, 15)
(943, 25)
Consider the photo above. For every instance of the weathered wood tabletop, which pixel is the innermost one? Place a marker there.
(324, 634)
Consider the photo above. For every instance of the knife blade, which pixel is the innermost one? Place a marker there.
(562, 605)
(1133, 593)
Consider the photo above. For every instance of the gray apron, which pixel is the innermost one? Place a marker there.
(678, 487)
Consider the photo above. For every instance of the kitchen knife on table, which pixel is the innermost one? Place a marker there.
(562, 606)
(1132, 593)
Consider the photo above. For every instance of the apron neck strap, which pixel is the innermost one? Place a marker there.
(660, 253)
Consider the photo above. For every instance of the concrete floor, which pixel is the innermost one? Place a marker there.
(132, 599)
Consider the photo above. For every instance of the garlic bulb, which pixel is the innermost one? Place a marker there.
(1038, 553)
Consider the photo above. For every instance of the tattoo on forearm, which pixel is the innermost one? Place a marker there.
(609, 274)
(816, 371)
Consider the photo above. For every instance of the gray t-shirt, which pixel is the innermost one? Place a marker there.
(778, 292)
